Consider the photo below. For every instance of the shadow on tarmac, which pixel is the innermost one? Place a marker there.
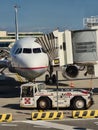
(12, 106)
(9, 87)
(17, 107)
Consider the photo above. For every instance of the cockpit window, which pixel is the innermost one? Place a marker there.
(43, 50)
(18, 51)
(27, 50)
(36, 50)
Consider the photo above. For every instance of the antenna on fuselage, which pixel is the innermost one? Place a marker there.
(16, 22)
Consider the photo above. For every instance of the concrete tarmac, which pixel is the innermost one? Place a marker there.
(10, 89)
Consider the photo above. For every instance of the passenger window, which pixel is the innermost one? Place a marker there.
(27, 50)
(37, 50)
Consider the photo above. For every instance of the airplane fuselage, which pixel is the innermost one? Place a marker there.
(28, 58)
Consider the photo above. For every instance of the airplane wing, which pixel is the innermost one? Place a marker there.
(4, 53)
(4, 61)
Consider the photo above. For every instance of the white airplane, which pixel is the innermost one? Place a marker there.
(28, 59)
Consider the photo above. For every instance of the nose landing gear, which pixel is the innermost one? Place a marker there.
(50, 79)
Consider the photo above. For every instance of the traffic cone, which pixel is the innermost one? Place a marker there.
(71, 85)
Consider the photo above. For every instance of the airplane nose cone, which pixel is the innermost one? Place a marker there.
(41, 61)
(36, 62)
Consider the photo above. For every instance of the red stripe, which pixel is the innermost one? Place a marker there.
(35, 68)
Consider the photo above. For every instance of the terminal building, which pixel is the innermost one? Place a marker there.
(91, 22)
(9, 37)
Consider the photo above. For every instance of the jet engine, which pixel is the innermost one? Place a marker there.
(90, 70)
(70, 71)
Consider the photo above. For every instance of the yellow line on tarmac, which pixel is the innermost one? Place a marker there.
(19, 78)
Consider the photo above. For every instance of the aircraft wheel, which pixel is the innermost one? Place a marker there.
(47, 79)
(54, 78)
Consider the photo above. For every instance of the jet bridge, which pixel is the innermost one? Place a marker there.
(49, 44)
(85, 49)
(85, 46)
(57, 44)
(72, 49)
(65, 50)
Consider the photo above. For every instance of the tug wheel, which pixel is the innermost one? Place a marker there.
(44, 103)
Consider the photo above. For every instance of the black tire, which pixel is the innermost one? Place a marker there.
(54, 80)
(78, 103)
(43, 104)
(47, 79)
